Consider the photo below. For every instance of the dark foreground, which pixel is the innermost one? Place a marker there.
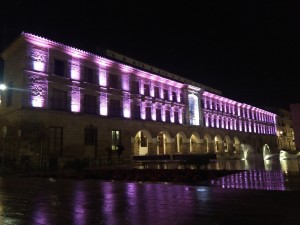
(56, 201)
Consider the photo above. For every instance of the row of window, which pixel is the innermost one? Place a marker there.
(59, 101)
(91, 76)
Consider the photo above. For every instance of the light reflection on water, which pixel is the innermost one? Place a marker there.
(255, 173)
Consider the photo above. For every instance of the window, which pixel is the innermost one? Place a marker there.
(135, 87)
(9, 94)
(146, 89)
(136, 112)
(90, 104)
(148, 113)
(89, 75)
(168, 120)
(115, 139)
(114, 81)
(181, 98)
(166, 94)
(158, 115)
(90, 135)
(174, 96)
(156, 92)
(59, 67)
(59, 99)
(114, 108)
(176, 117)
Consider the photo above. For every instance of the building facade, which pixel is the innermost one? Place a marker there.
(64, 103)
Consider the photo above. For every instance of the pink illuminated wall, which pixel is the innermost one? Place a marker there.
(248, 120)
(75, 97)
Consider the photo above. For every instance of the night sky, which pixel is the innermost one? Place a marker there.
(249, 50)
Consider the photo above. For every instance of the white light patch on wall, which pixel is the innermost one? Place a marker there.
(102, 77)
(39, 59)
(75, 97)
(75, 69)
(103, 104)
(38, 89)
(126, 105)
(125, 82)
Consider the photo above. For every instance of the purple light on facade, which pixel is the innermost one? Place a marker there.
(75, 97)
(143, 111)
(159, 79)
(125, 82)
(163, 113)
(39, 58)
(126, 105)
(75, 69)
(102, 77)
(180, 116)
(153, 112)
(38, 89)
(103, 103)
(206, 120)
(172, 115)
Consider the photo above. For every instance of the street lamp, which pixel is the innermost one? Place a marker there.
(2, 87)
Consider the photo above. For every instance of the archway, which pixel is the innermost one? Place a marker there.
(141, 143)
(195, 143)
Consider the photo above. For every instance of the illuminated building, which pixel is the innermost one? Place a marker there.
(70, 103)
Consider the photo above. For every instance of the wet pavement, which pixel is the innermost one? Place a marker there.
(250, 197)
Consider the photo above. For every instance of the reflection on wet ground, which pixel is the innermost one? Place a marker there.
(37, 201)
(271, 174)
(263, 192)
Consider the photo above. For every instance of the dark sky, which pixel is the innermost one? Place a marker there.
(249, 50)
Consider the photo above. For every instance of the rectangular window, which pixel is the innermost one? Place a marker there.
(114, 81)
(174, 96)
(158, 115)
(90, 104)
(9, 94)
(176, 117)
(136, 112)
(146, 90)
(148, 113)
(166, 94)
(181, 98)
(89, 75)
(59, 68)
(90, 136)
(114, 108)
(115, 139)
(59, 99)
(156, 92)
(135, 87)
(168, 120)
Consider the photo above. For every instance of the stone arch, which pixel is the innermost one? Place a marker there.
(195, 143)
(142, 143)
